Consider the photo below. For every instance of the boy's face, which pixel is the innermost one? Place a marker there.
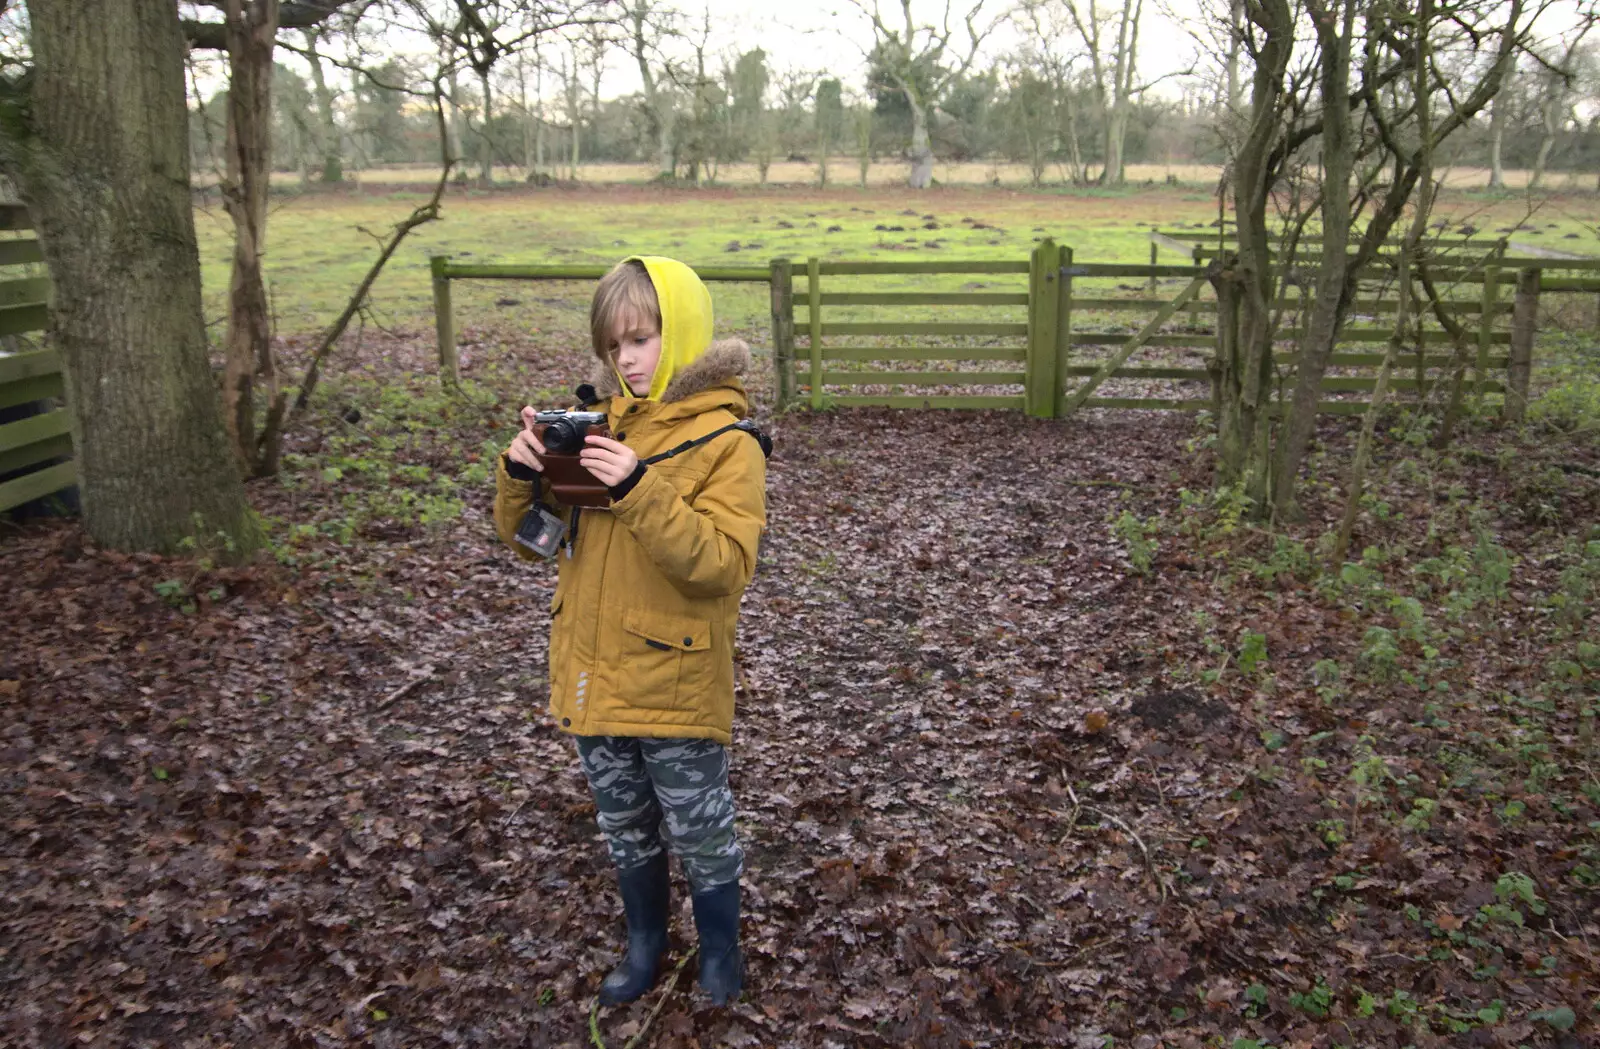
(636, 349)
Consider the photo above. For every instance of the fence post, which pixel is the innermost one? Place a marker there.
(1486, 312)
(1063, 346)
(1043, 304)
(449, 362)
(1152, 283)
(1524, 321)
(814, 304)
(782, 283)
(1422, 348)
(1194, 307)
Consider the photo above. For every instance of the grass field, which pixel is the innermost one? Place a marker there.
(319, 244)
(889, 174)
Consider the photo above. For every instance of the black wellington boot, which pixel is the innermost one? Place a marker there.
(645, 899)
(716, 917)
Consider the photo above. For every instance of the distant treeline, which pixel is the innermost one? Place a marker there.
(549, 121)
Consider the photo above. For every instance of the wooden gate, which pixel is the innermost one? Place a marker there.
(32, 444)
(1025, 333)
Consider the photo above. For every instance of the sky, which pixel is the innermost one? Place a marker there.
(833, 35)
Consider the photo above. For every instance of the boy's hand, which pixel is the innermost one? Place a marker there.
(609, 461)
(526, 448)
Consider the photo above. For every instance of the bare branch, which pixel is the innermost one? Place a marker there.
(296, 14)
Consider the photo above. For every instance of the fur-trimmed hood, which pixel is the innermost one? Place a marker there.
(721, 365)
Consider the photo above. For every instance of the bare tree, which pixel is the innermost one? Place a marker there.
(1045, 54)
(1373, 163)
(1114, 83)
(325, 132)
(572, 94)
(649, 25)
(911, 55)
(1557, 79)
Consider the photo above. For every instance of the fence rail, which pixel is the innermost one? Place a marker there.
(35, 430)
(826, 352)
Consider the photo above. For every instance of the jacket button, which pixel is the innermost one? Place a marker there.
(632, 408)
(566, 722)
(621, 436)
(688, 641)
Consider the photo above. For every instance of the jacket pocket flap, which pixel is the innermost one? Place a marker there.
(680, 632)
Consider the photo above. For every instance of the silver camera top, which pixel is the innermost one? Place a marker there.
(580, 418)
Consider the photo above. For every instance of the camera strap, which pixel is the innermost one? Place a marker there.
(743, 424)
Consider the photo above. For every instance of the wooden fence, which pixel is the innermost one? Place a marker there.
(1049, 331)
(35, 430)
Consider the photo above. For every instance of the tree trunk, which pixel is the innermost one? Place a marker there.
(327, 132)
(102, 161)
(921, 153)
(1074, 148)
(1497, 134)
(573, 86)
(251, 37)
(657, 106)
(1549, 123)
(454, 95)
(1235, 41)
(1332, 289)
(1546, 141)
(863, 144)
(527, 114)
(538, 120)
(1116, 134)
(1122, 77)
(486, 146)
(1243, 456)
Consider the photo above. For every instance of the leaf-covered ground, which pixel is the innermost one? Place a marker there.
(1033, 749)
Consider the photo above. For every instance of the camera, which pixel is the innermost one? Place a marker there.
(562, 433)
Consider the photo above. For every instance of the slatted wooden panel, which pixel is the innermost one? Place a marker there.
(843, 352)
(31, 447)
(1485, 317)
(1046, 321)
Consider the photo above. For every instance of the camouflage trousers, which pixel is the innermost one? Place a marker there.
(647, 789)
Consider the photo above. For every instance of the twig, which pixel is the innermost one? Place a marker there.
(594, 1007)
(1072, 819)
(428, 212)
(1074, 956)
(1155, 776)
(677, 972)
(1105, 484)
(426, 675)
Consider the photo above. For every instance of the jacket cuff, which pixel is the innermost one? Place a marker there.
(644, 490)
(621, 489)
(517, 471)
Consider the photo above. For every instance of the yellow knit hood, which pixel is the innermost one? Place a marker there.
(685, 318)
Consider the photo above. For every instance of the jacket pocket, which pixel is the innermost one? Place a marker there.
(685, 479)
(667, 659)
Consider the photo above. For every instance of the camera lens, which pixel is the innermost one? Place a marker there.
(563, 437)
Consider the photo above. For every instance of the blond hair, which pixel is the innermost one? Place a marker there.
(625, 291)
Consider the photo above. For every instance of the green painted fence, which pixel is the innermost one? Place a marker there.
(34, 445)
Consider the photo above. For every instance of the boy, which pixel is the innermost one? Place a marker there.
(646, 602)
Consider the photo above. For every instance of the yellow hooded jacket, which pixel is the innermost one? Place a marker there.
(646, 602)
